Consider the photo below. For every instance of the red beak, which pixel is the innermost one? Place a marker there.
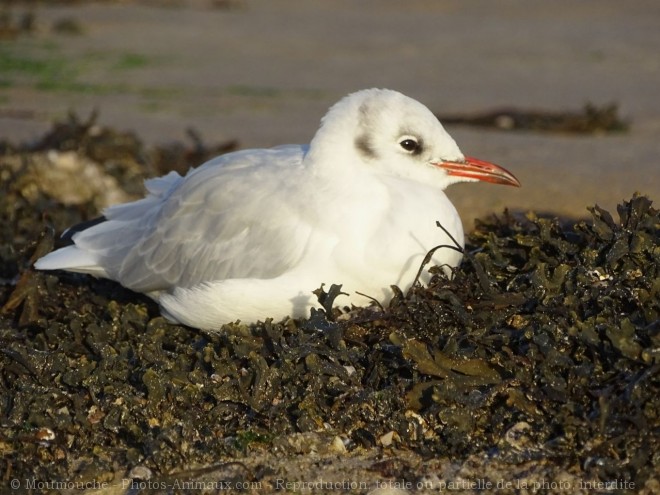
(473, 168)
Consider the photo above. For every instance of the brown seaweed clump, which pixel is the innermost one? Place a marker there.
(542, 350)
(592, 119)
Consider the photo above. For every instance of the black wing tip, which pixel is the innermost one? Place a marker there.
(67, 235)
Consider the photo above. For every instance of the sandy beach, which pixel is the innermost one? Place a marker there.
(264, 73)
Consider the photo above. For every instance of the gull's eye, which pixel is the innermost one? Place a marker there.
(411, 145)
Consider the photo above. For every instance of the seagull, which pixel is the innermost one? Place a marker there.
(249, 235)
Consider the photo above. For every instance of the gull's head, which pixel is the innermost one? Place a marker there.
(389, 133)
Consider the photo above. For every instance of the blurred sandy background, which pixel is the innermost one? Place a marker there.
(265, 71)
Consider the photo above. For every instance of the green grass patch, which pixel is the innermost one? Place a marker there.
(53, 72)
(129, 61)
(30, 66)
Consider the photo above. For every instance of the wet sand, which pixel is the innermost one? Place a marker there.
(265, 72)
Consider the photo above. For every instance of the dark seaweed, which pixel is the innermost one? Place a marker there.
(545, 345)
(592, 119)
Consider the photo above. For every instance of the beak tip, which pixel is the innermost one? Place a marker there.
(515, 182)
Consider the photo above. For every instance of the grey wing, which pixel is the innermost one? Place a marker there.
(224, 220)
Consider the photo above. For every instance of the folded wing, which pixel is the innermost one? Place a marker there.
(209, 225)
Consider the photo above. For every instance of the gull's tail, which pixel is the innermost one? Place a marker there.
(116, 230)
(73, 259)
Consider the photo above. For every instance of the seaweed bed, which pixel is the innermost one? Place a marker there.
(541, 355)
(592, 119)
